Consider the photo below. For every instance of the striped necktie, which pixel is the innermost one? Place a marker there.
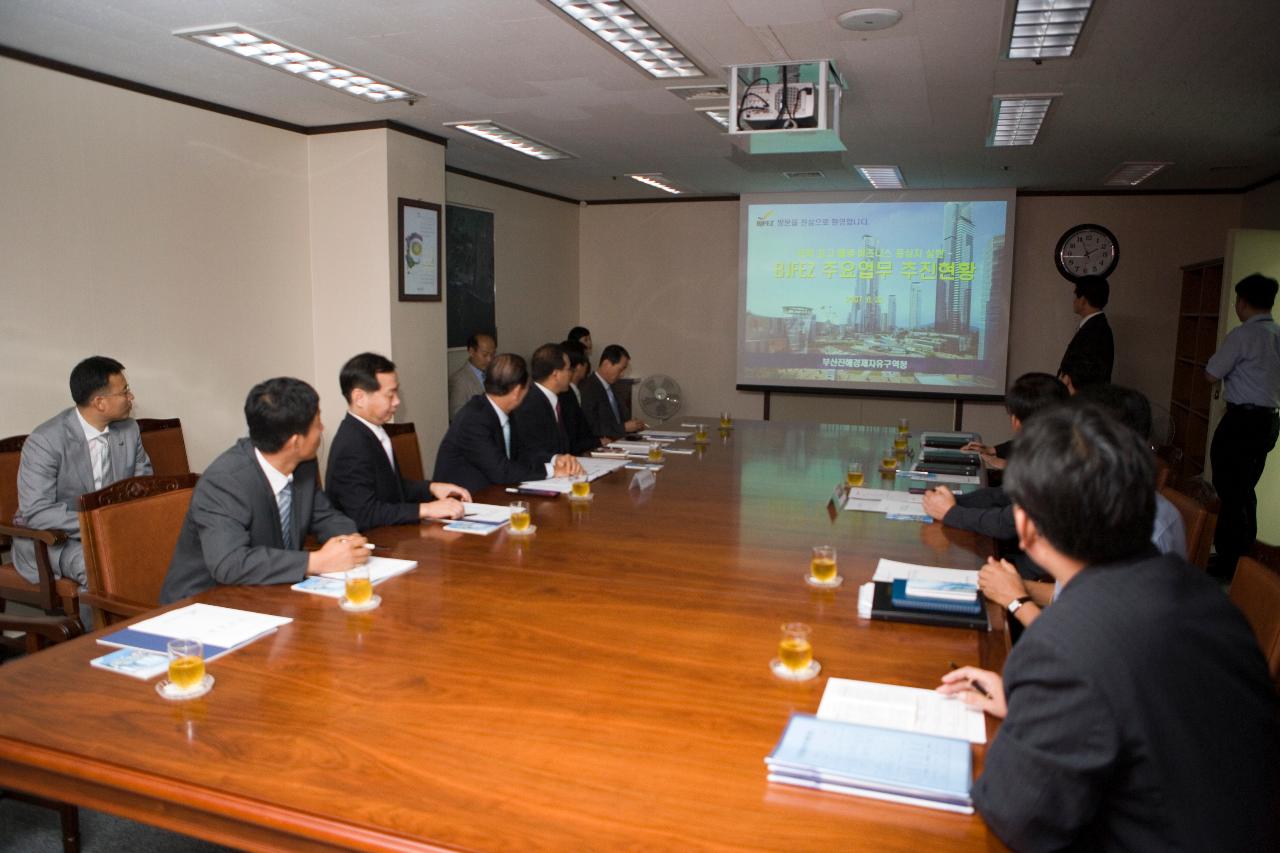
(285, 501)
(101, 462)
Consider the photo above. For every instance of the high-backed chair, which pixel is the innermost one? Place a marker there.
(38, 632)
(162, 439)
(52, 594)
(1199, 517)
(404, 441)
(130, 529)
(1268, 555)
(1255, 589)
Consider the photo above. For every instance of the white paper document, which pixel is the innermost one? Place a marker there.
(888, 501)
(972, 480)
(486, 513)
(672, 434)
(381, 568)
(889, 571)
(629, 446)
(224, 627)
(594, 469)
(907, 709)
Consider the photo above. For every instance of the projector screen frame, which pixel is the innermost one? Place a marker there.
(907, 391)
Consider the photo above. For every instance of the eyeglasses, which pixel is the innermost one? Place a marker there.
(127, 392)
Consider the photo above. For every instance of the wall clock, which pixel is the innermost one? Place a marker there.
(1087, 250)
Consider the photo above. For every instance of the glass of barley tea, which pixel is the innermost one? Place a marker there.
(655, 451)
(726, 420)
(853, 475)
(358, 591)
(904, 426)
(520, 518)
(187, 678)
(822, 566)
(795, 654)
(889, 461)
(700, 434)
(580, 487)
(900, 444)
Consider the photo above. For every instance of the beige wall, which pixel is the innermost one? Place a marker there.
(535, 263)
(173, 239)
(662, 279)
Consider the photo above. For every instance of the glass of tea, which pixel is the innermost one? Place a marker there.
(853, 475)
(358, 591)
(655, 451)
(904, 426)
(520, 518)
(889, 461)
(580, 487)
(822, 566)
(795, 654)
(900, 444)
(186, 665)
(700, 434)
(726, 420)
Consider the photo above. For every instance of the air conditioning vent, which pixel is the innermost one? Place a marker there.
(804, 175)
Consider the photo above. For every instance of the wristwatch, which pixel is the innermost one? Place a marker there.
(1018, 602)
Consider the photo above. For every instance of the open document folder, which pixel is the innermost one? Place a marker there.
(594, 469)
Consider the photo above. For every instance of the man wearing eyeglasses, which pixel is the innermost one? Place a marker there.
(91, 445)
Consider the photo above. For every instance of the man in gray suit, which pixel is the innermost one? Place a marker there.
(468, 380)
(255, 505)
(93, 444)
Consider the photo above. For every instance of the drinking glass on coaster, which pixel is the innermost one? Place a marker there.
(795, 654)
(904, 426)
(700, 434)
(900, 444)
(655, 451)
(521, 521)
(853, 475)
(358, 594)
(726, 420)
(187, 678)
(580, 488)
(889, 462)
(822, 568)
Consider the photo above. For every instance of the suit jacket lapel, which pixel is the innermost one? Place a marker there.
(78, 450)
(265, 497)
(375, 447)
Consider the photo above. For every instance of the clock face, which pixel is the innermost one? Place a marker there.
(1087, 250)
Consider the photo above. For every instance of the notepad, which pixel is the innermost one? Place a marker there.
(908, 709)
(593, 467)
(135, 663)
(334, 584)
(219, 629)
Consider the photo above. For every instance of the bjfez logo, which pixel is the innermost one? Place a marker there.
(763, 219)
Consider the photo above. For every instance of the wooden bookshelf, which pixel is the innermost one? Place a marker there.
(1197, 339)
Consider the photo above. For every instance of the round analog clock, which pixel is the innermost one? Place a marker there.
(1087, 250)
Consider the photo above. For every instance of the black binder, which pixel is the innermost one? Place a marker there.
(882, 608)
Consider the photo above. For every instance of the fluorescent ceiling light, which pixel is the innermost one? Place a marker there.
(1016, 119)
(1046, 28)
(1133, 173)
(304, 64)
(701, 92)
(626, 31)
(882, 177)
(655, 179)
(718, 115)
(494, 132)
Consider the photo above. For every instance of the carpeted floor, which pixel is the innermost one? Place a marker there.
(26, 828)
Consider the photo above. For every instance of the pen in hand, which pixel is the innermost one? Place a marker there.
(975, 685)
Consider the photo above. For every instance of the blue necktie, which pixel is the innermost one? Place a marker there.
(285, 500)
(613, 404)
(506, 437)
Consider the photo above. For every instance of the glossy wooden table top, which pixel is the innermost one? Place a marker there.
(601, 684)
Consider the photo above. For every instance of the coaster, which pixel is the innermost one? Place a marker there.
(831, 584)
(785, 674)
(585, 499)
(168, 690)
(528, 531)
(371, 604)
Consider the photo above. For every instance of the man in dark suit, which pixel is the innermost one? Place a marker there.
(255, 505)
(1092, 352)
(540, 423)
(479, 448)
(363, 478)
(1138, 711)
(581, 436)
(80, 450)
(598, 402)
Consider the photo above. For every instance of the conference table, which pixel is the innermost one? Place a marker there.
(601, 684)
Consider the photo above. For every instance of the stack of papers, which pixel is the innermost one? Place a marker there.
(895, 505)
(593, 467)
(666, 434)
(333, 584)
(908, 709)
(972, 480)
(888, 571)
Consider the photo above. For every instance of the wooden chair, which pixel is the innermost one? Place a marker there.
(130, 529)
(404, 442)
(52, 594)
(39, 631)
(1255, 589)
(162, 439)
(1199, 516)
(1268, 555)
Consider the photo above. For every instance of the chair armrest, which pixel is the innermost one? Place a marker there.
(54, 629)
(48, 537)
(48, 600)
(115, 605)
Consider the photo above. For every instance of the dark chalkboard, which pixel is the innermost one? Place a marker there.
(468, 249)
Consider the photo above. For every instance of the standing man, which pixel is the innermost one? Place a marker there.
(1091, 354)
(541, 423)
(255, 504)
(479, 448)
(1248, 365)
(80, 450)
(581, 335)
(468, 380)
(363, 479)
(1138, 710)
(598, 402)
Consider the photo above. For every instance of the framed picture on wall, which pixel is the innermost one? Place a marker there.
(419, 250)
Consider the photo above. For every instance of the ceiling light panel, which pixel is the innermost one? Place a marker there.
(626, 31)
(718, 115)
(491, 131)
(305, 64)
(1044, 29)
(1133, 173)
(655, 179)
(882, 177)
(1017, 119)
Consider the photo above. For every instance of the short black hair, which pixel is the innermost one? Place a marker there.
(614, 353)
(1087, 481)
(473, 342)
(577, 353)
(1032, 392)
(361, 371)
(1257, 291)
(506, 372)
(577, 333)
(91, 376)
(1084, 371)
(546, 360)
(277, 409)
(1130, 407)
(1095, 290)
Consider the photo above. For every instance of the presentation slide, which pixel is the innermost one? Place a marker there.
(848, 292)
